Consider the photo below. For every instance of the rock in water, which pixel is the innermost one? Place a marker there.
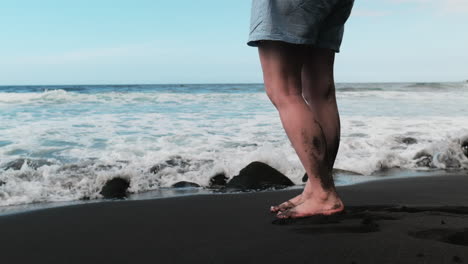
(424, 159)
(219, 180)
(464, 147)
(115, 188)
(184, 184)
(409, 140)
(258, 176)
(18, 163)
(305, 177)
(174, 161)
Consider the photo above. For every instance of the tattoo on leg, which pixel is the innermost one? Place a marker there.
(316, 147)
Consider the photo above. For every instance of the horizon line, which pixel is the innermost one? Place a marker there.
(208, 83)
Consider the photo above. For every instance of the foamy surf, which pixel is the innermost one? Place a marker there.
(74, 139)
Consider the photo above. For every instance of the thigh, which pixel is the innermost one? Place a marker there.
(282, 65)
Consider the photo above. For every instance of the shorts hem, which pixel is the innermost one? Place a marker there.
(253, 41)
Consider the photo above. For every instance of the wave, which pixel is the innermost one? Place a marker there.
(29, 180)
(62, 96)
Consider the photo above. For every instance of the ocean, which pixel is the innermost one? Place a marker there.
(62, 143)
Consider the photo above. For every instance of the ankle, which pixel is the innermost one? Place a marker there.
(326, 195)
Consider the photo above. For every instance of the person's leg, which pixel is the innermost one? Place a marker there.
(318, 89)
(282, 66)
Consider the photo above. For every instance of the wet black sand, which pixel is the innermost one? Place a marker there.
(417, 220)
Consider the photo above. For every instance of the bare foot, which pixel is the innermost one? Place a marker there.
(312, 205)
(294, 201)
(287, 205)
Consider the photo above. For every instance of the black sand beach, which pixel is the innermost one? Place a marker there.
(416, 220)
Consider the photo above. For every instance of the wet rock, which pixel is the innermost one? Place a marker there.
(449, 161)
(103, 167)
(424, 159)
(219, 180)
(2, 183)
(305, 177)
(464, 147)
(258, 176)
(115, 188)
(181, 165)
(174, 161)
(409, 140)
(184, 184)
(18, 163)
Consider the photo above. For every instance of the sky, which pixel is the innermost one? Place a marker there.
(204, 41)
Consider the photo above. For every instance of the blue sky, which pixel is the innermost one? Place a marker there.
(203, 41)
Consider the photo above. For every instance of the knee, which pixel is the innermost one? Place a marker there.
(321, 92)
(283, 99)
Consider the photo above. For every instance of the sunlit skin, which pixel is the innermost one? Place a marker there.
(299, 82)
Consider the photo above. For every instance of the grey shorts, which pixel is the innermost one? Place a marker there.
(314, 22)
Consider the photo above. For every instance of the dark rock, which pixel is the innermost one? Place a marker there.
(424, 159)
(156, 168)
(184, 184)
(258, 176)
(18, 163)
(177, 161)
(425, 162)
(115, 188)
(174, 161)
(409, 140)
(14, 165)
(219, 180)
(464, 147)
(2, 182)
(103, 167)
(305, 177)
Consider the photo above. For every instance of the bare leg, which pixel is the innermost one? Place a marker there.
(318, 89)
(282, 66)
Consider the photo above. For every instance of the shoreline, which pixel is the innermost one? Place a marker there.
(405, 220)
(171, 192)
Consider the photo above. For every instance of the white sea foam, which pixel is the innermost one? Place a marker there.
(90, 138)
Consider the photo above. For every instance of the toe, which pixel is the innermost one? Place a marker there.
(283, 214)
